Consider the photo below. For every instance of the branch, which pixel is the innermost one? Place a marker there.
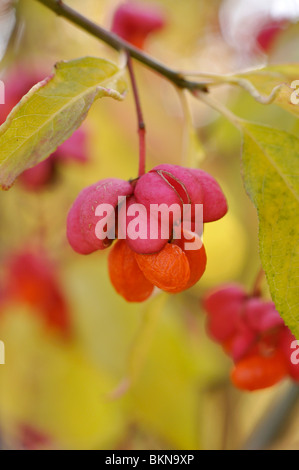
(114, 41)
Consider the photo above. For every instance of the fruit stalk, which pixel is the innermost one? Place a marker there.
(257, 290)
(141, 124)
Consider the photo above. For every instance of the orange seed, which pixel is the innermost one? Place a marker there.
(125, 275)
(168, 269)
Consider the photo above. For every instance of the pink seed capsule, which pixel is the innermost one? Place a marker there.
(39, 176)
(187, 187)
(75, 234)
(44, 173)
(141, 229)
(214, 202)
(224, 307)
(134, 22)
(169, 184)
(186, 179)
(74, 148)
(262, 316)
(17, 83)
(100, 198)
(242, 344)
(156, 188)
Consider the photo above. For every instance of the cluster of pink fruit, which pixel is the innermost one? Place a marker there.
(253, 334)
(160, 261)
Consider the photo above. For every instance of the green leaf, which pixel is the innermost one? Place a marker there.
(271, 174)
(52, 111)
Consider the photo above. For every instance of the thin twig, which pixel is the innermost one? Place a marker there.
(141, 124)
(256, 290)
(217, 106)
(117, 43)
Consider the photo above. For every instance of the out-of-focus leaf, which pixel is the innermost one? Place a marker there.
(271, 174)
(266, 79)
(52, 111)
(274, 83)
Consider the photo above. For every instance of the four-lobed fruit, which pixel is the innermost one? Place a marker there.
(164, 260)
